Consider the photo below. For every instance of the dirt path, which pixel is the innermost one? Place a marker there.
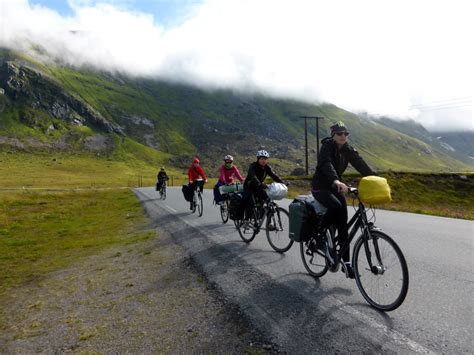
(141, 298)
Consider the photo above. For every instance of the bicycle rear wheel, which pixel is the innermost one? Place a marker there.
(248, 227)
(381, 271)
(199, 204)
(277, 229)
(224, 209)
(313, 258)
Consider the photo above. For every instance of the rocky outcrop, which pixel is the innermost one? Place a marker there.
(32, 88)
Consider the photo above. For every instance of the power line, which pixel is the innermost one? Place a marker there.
(444, 103)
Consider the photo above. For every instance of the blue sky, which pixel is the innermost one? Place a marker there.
(165, 12)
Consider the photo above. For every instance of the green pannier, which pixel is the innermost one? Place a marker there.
(305, 212)
(301, 220)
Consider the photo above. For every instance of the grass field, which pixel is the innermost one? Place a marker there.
(42, 232)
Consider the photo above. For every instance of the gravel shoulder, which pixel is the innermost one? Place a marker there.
(146, 297)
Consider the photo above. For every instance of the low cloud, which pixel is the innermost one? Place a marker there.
(395, 58)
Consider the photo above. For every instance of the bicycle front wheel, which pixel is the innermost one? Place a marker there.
(163, 196)
(277, 228)
(248, 227)
(381, 271)
(199, 205)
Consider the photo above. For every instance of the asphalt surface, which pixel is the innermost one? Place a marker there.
(306, 315)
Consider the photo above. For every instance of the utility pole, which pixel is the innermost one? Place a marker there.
(317, 118)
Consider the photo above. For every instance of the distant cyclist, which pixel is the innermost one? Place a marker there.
(327, 186)
(258, 171)
(197, 177)
(162, 177)
(226, 176)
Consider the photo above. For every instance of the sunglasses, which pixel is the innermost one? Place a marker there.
(342, 134)
(228, 162)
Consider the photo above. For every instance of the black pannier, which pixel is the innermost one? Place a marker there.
(187, 192)
(303, 218)
(236, 206)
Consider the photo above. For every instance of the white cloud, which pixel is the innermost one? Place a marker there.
(381, 57)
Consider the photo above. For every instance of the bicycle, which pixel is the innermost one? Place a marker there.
(162, 190)
(276, 227)
(380, 269)
(197, 198)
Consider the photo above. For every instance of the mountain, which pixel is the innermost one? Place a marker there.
(49, 106)
(458, 145)
(458, 141)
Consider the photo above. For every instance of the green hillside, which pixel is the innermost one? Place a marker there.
(145, 123)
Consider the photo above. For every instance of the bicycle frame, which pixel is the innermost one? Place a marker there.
(268, 208)
(163, 185)
(359, 221)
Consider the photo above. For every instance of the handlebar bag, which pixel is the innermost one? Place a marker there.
(277, 191)
(374, 190)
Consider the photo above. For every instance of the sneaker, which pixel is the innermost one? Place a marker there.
(348, 270)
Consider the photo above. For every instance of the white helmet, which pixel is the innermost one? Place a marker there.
(229, 157)
(262, 153)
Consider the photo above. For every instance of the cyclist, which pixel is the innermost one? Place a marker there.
(327, 186)
(162, 177)
(254, 182)
(197, 177)
(226, 176)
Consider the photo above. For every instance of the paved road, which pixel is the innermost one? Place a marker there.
(306, 315)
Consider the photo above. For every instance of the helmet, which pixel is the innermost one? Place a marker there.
(262, 153)
(229, 157)
(162, 168)
(337, 127)
(196, 161)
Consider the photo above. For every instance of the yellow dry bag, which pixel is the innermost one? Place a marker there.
(374, 190)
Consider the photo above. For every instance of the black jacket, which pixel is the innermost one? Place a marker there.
(332, 162)
(257, 174)
(162, 176)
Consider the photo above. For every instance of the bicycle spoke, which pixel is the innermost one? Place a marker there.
(313, 260)
(381, 277)
(277, 229)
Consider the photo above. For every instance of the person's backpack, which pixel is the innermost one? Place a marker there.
(236, 206)
(187, 192)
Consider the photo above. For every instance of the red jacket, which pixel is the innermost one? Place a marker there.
(196, 172)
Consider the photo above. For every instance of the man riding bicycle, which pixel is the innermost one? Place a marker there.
(162, 177)
(327, 186)
(197, 177)
(226, 176)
